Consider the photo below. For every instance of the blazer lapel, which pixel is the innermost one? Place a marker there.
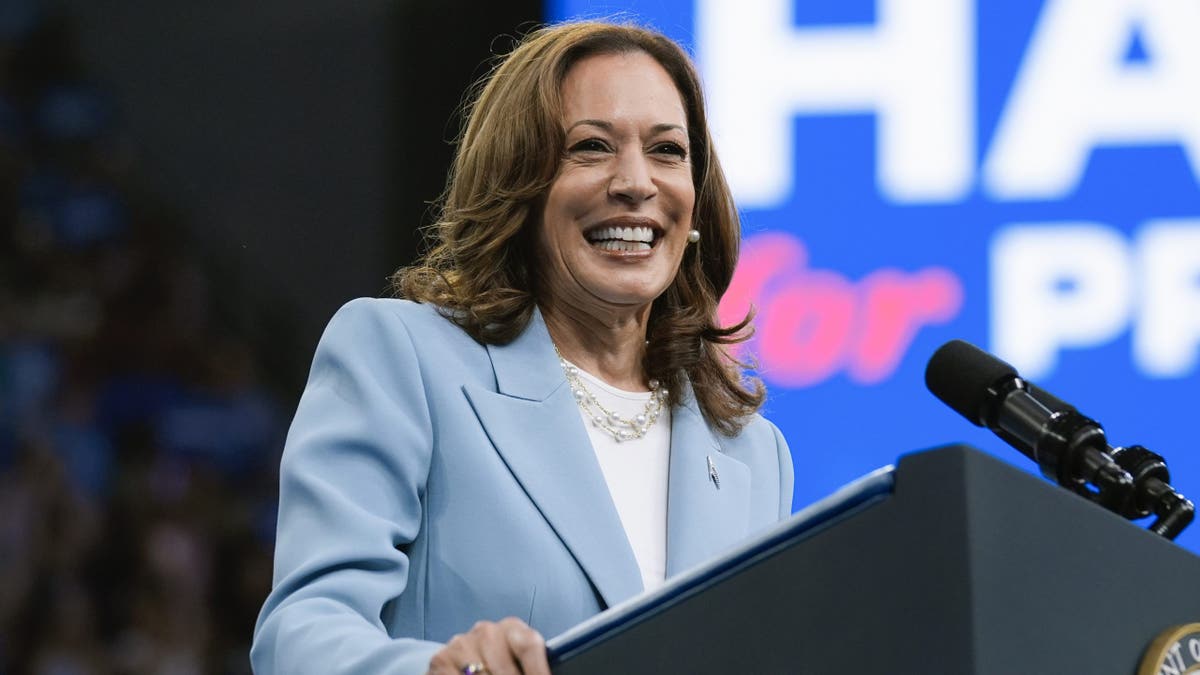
(533, 421)
(705, 515)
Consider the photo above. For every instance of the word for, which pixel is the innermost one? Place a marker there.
(813, 324)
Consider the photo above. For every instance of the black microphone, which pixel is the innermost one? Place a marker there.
(1068, 447)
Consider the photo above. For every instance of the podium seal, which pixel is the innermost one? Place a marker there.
(1174, 652)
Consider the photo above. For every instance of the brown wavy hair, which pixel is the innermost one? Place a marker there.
(481, 266)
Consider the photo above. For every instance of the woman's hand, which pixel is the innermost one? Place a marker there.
(506, 647)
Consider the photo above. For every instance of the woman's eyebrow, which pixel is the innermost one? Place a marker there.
(608, 126)
(603, 124)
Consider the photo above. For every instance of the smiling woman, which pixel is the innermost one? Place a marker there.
(515, 149)
(618, 212)
(549, 423)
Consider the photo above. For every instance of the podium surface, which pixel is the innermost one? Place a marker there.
(953, 562)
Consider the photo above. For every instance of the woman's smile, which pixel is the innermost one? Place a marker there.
(624, 235)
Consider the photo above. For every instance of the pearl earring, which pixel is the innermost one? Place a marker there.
(693, 236)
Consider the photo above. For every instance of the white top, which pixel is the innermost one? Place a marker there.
(636, 473)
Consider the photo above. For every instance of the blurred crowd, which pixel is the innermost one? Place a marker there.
(139, 433)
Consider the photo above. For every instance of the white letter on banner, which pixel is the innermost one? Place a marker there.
(1057, 285)
(914, 69)
(1075, 92)
(1166, 339)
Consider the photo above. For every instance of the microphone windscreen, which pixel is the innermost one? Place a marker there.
(960, 374)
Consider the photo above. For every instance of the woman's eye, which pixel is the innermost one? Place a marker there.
(590, 145)
(671, 149)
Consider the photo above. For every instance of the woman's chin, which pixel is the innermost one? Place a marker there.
(627, 295)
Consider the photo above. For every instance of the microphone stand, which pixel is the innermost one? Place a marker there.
(1152, 492)
(1130, 481)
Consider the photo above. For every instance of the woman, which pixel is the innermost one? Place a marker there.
(550, 423)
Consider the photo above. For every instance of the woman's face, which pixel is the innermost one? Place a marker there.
(617, 215)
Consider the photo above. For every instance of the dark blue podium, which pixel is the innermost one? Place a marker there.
(952, 562)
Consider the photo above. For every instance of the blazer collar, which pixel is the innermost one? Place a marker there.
(528, 367)
(534, 423)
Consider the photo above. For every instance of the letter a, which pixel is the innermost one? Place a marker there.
(1076, 92)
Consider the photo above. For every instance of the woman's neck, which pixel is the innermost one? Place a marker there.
(610, 346)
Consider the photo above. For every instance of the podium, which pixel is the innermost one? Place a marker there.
(952, 562)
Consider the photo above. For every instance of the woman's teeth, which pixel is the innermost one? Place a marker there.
(618, 245)
(622, 238)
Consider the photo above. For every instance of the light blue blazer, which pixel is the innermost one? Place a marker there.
(429, 482)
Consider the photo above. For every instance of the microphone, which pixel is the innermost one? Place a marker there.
(1068, 447)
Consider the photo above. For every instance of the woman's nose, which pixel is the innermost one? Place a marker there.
(631, 180)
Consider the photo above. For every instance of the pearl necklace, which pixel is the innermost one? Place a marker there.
(608, 421)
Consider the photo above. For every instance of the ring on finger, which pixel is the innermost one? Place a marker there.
(475, 668)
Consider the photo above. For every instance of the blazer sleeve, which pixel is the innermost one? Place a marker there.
(787, 475)
(351, 480)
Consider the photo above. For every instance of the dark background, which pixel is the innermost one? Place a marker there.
(187, 192)
(302, 142)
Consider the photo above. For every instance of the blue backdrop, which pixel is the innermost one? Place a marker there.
(1017, 173)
